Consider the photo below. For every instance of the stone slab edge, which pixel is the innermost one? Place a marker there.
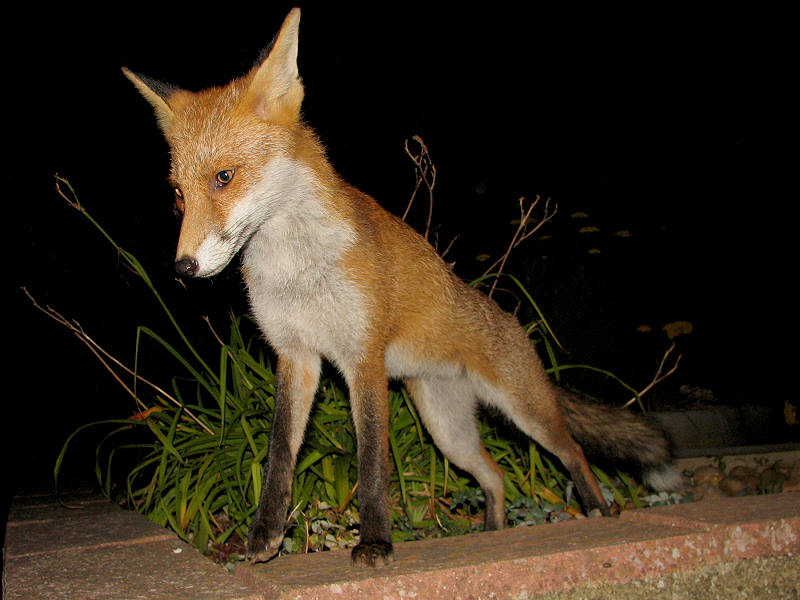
(687, 543)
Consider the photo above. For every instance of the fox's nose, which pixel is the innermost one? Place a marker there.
(186, 266)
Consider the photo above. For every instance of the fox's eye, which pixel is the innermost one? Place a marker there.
(224, 177)
(179, 202)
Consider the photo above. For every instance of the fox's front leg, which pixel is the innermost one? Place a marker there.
(370, 406)
(296, 381)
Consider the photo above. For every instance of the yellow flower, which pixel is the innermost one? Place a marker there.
(644, 328)
(790, 413)
(677, 328)
(589, 229)
(579, 215)
(623, 233)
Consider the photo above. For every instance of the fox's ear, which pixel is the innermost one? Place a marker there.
(164, 98)
(275, 91)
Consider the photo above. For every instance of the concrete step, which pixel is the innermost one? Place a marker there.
(96, 550)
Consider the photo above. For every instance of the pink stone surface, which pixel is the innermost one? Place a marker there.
(548, 558)
(100, 551)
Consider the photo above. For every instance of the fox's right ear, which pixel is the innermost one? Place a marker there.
(164, 98)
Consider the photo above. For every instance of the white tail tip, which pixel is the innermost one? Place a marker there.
(664, 479)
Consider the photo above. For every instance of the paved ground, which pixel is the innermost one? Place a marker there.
(732, 548)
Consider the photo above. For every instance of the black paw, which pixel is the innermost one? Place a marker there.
(260, 548)
(372, 554)
(259, 556)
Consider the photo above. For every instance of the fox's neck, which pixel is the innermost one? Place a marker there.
(308, 151)
(294, 268)
(303, 238)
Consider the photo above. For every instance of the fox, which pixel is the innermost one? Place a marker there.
(332, 276)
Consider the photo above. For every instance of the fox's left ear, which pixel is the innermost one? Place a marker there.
(164, 98)
(275, 91)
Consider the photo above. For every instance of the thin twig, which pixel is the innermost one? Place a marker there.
(449, 246)
(214, 333)
(349, 497)
(521, 234)
(100, 353)
(659, 376)
(425, 171)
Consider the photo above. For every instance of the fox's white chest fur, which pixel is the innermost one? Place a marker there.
(298, 291)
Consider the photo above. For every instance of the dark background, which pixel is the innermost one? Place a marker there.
(666, 122)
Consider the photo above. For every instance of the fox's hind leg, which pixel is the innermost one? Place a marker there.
(537, 414)
(447, 408)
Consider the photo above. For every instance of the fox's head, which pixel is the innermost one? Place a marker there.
(229, 147)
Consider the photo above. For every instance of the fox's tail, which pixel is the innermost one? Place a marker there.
(616, 436)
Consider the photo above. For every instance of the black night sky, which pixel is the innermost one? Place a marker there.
(665, 122)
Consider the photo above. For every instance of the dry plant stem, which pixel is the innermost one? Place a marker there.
(216, 336)
(349, 497)
(103, 356)
(520, 235)
(425, 172)
(659, 376)
(228, 351)
(450, 245)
